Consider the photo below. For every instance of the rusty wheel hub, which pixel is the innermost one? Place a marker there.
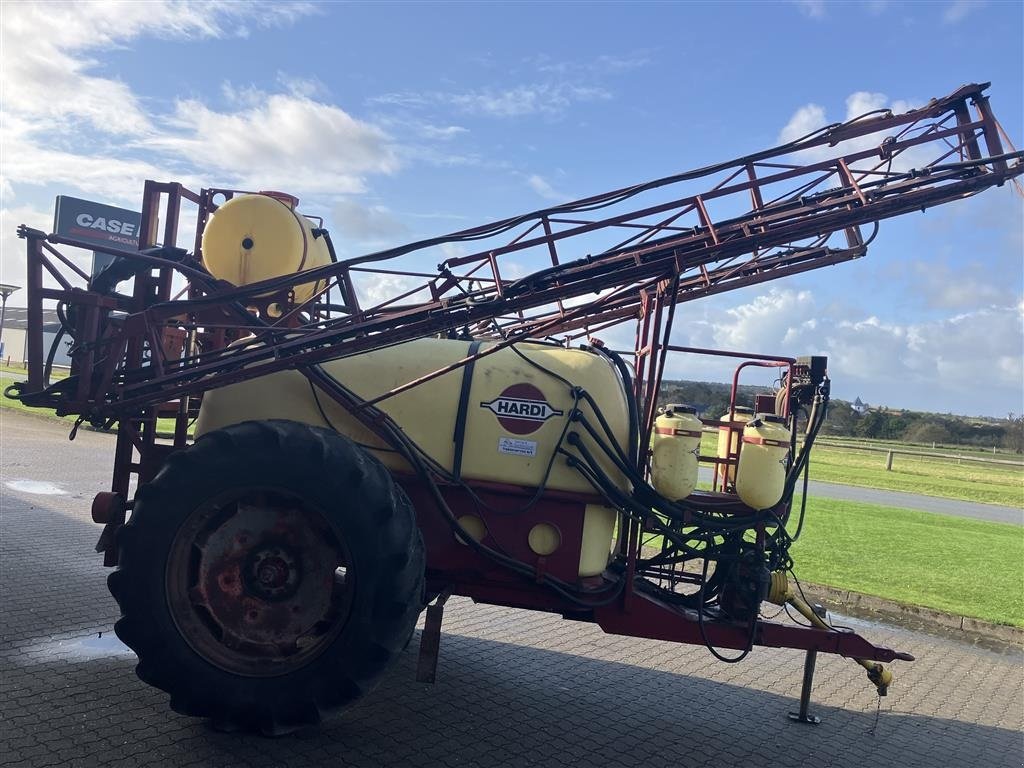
(259, 584)
(272, 573)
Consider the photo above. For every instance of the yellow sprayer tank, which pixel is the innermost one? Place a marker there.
(730, 447)
(675, 451)
(256, 237)
(761, 474)
(513, 414)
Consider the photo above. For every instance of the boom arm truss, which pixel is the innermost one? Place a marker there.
(760, 217)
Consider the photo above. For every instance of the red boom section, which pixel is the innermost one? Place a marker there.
(781, 209)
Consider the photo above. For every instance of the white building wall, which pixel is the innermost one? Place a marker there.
(14, 345)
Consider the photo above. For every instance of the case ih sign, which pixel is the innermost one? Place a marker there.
(98, 224)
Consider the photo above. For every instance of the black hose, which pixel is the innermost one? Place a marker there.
(413, 454)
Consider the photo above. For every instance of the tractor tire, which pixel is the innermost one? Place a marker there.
(268, 575)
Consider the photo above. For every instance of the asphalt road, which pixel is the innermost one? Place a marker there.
(514, 688)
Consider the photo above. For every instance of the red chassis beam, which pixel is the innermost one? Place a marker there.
(650, 618)
(455, 568)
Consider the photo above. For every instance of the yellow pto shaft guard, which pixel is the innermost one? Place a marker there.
(780, 593)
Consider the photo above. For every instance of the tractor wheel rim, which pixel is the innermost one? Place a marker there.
(259, 583)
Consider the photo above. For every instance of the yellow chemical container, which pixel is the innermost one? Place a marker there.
(514, 412)
(675, 451)
(761, 474)
(728, 445)
(251, 238)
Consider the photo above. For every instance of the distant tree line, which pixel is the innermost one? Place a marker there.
(712, 401)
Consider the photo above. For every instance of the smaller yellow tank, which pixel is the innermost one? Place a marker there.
(257, 237)
(761, 474)
(675, 451)
(727, 447)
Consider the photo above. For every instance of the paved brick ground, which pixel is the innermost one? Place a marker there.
(514, 689)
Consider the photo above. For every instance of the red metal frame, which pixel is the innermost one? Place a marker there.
(140, 356)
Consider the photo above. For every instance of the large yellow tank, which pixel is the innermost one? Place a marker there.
(728, 445)
(675, 451)
(256, 237)
(514, 414)
(761, 474)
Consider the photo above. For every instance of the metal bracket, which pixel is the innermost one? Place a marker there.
(430, 640)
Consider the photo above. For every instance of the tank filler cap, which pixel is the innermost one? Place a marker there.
(289, 200)
(678, 408)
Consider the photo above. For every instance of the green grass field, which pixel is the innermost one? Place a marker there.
(16, 405)
(967, 450)
(57, 373)
(986, 483)
(965, 567)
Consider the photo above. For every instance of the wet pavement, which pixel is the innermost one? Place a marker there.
(514, 688)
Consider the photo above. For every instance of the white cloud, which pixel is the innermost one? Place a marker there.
(286, 141)
(813, 9)
(365, 224)
(605, 64)
(931, 364)
(967, 287)
(763, 322)
(67, 124)
(47, 72)
(539, 185)
(812, 117)
(376, 289)
(12, 249)
(442, 132)
(551, 99)
(805, 120)
(103, 174)
(959, 10)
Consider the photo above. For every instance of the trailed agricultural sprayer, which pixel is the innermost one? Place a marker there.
(357, 460)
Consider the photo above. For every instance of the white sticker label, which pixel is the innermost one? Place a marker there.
(517, 447)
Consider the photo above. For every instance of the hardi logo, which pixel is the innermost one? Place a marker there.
(521, 409)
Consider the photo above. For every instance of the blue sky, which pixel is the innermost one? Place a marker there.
(396, 121)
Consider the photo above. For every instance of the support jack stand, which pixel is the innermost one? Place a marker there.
(430, 641)
(805, 692)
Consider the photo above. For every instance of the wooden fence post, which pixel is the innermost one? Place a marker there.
(888, 461)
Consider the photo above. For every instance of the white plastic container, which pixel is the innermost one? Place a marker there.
(675, 451)
(764, 459)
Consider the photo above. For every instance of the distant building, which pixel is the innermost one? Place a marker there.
(15, 336)
(859, 406)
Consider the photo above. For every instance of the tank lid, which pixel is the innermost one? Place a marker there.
(288, 199)
(771, 417)
(742, 409)
(680, 407)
